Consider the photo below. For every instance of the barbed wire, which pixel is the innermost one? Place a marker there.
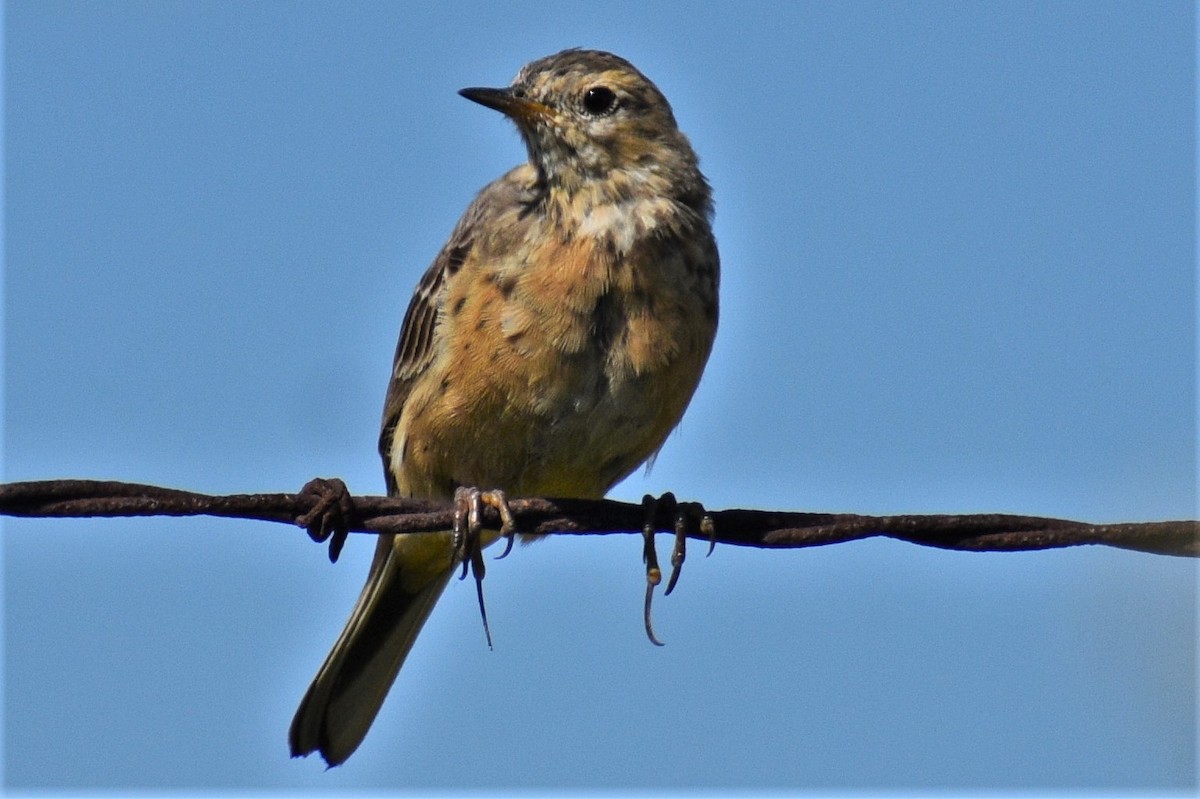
(986, 532)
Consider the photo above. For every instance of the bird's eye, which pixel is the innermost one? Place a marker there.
(599, 100)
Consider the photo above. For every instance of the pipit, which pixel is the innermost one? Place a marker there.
(550, 348)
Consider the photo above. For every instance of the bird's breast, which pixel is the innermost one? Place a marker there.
(576, 352)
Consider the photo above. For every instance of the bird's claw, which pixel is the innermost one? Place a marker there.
(468, 537)
(688, 517)
(650, 558)
(509, 537)
(330, 517)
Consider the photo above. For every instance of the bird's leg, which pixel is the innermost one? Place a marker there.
(468, 536)
(330, 517)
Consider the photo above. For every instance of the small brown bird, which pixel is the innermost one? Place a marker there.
(548, 351)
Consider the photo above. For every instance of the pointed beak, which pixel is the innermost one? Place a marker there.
(520, 109)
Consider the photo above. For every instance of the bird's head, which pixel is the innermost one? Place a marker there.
(589, 116)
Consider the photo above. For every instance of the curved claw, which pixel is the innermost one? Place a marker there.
(688, 516)
(646, 613)
(709, 528)
(679, 551)
(650, 558)
(508, 545)
(508, 524)
(478, 568)
(468, 530)
(671, 582)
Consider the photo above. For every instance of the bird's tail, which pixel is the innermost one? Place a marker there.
(407, 576)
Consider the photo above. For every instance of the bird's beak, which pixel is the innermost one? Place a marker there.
(506, 102)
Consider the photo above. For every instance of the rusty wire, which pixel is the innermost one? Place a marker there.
(988, 532)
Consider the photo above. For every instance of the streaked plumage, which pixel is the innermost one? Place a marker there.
(550, 348)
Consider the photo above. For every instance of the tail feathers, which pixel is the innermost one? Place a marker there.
(350, 687)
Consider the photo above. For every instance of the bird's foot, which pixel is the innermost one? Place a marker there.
(330, 517)
(468, 536)
(688, 518)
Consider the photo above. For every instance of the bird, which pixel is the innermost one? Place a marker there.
(549, 350)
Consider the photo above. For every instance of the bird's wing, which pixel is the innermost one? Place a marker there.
(415, 349)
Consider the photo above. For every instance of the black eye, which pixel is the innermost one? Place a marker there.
(599, 100)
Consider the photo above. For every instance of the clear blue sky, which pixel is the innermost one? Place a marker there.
(958, 243)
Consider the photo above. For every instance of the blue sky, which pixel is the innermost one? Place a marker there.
(958, 248)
